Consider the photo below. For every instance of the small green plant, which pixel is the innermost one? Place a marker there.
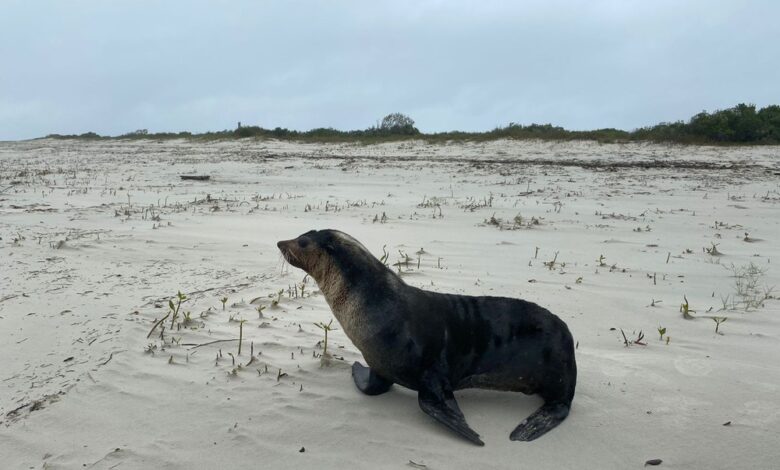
(686, 310)
(180, 298)
(713, 250)
(380, 220)
(661, 332)
(240, 335)
(639, 339)
(326, 328)
(224, 301)
(718, 321)
(303, 285)
(405, 259)
(251, 354)
(419, 254)
(275, 302)
(725, 302)
(260, 309)
(551, 264)
(172, 310)
(601, 261)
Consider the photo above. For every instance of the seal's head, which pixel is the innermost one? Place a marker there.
(324, 253)
(303, 252)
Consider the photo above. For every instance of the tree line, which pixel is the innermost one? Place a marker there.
(741, 124)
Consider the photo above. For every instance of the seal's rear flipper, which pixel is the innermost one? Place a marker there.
(368, 382)
(540, 421)
(439, 403)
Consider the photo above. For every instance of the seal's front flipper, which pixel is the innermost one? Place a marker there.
(368, 382)
(540, 421)
(439, 403)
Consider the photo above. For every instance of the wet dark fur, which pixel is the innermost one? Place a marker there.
(426, 340)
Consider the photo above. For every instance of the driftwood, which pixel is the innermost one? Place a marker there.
(195, 177)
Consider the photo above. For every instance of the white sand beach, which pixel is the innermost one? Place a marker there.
(98, 236)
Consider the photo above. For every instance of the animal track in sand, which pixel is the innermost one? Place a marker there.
(693, 367)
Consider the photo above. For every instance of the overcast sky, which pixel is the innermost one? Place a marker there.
(116, 66)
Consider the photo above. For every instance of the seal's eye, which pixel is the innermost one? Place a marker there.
(303, 242)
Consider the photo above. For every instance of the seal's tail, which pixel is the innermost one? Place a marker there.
(540, 421)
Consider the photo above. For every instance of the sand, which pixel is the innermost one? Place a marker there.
(97, 237)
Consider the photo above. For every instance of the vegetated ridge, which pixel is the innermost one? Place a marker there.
(741, 124)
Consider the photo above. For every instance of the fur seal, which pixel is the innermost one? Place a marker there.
(437, 343)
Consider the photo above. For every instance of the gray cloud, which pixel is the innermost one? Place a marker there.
(112, 67)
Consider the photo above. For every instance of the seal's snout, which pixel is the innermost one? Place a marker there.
(298, 251)
(287, 247)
